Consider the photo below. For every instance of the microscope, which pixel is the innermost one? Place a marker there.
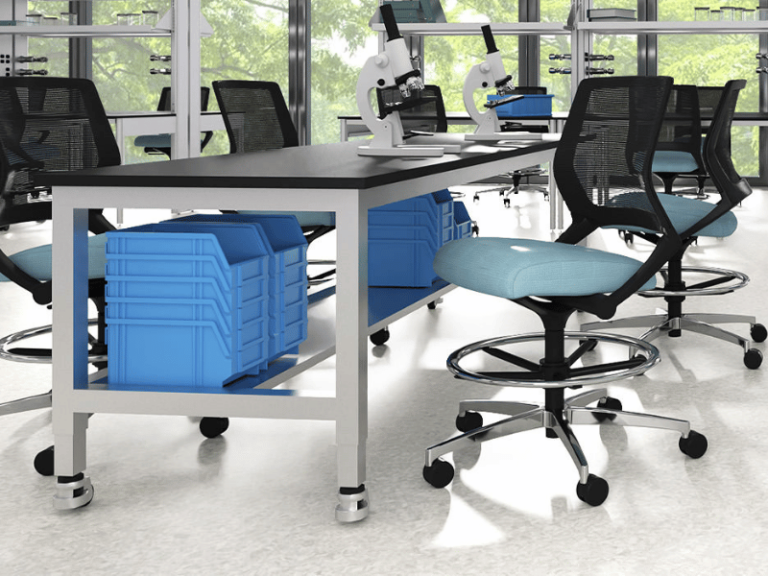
(390, 68)
(489, 73)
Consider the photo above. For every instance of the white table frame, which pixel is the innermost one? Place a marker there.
(75, 399)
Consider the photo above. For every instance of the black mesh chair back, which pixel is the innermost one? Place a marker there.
(681, 129)
(255, 115)
(603, 166)
(709, 98)
(717, 150)
(424, 113)
(47, 124)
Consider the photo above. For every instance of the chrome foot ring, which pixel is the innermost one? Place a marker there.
(352, 507)
(635, 346)
(7, 354)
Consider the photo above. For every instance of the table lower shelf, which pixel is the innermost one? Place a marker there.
(385, 305)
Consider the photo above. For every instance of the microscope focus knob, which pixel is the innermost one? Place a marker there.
(485, 67)
(382, 60)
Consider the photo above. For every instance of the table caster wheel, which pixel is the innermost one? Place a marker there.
(44, 462)
(470, 421)
(610, 404)
(594, 492)
(379, 338)
(695, 446)
(753, 358)
(439, 474)
(758, 333)
(213, 427)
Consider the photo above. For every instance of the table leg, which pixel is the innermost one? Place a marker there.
(351, 360)
(70, 353)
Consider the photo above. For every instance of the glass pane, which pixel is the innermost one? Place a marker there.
(730, 56)
(342, 41)
(683, 10)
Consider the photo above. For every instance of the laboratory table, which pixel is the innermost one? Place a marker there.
(330, 177)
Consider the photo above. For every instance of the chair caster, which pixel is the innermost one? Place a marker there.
(432, 305)
(213, 427)
(753, 358)
(506, 203)
(610, 404)
(379, 338)
(695, 446)
(470, 421)
(758, 333)
(594, 491)
(44, 462)
(440, 474)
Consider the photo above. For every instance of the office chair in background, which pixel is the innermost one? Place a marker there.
(49, 124)
(692, 219)
(257, 118)
(155, 144)
(603, 169)
(518, 175)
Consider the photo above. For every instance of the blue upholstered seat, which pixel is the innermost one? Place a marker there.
(673, 161)
(515, 268)
(38, 262)
(684, 213)
(305, 218)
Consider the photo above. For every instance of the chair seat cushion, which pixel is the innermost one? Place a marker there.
(37, 261)
(153, 141)
(305, 218)
(673, 161)
(515, 268)
(685, 212)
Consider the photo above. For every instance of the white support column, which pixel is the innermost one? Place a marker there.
(70, 335)
(193, 75)
(351, 351)
(180, 78)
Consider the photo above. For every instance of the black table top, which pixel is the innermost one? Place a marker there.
(321, 166)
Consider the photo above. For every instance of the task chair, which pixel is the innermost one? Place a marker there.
(603, 168)
(678, 152)
(518, 175)
(257, 118)
(156, 144)
(693, 219)
(49, 124)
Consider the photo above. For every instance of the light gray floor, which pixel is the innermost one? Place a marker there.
(260, 499)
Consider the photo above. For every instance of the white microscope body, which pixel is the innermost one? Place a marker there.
(392, 67)
(488, 74)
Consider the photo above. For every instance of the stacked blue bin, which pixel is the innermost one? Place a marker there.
(287, 249)
(186, 309)
(462, 223)
(403, 238)
(528, 105)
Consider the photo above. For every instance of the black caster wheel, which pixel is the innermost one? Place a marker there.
(213, 427)
(44, 462)
(439, 474)
(470, 421)
(753, 358)
(695, 446)
(379, 338)
(432, 305)
(594, 492)
(506, 203)
(610, 404)
(475, 230)
(758, 333)
(476, 198)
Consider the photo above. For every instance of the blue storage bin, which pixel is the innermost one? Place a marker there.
(528, 105)
(287, 269)
(462, 221)
(400, 263)
(186, 309)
